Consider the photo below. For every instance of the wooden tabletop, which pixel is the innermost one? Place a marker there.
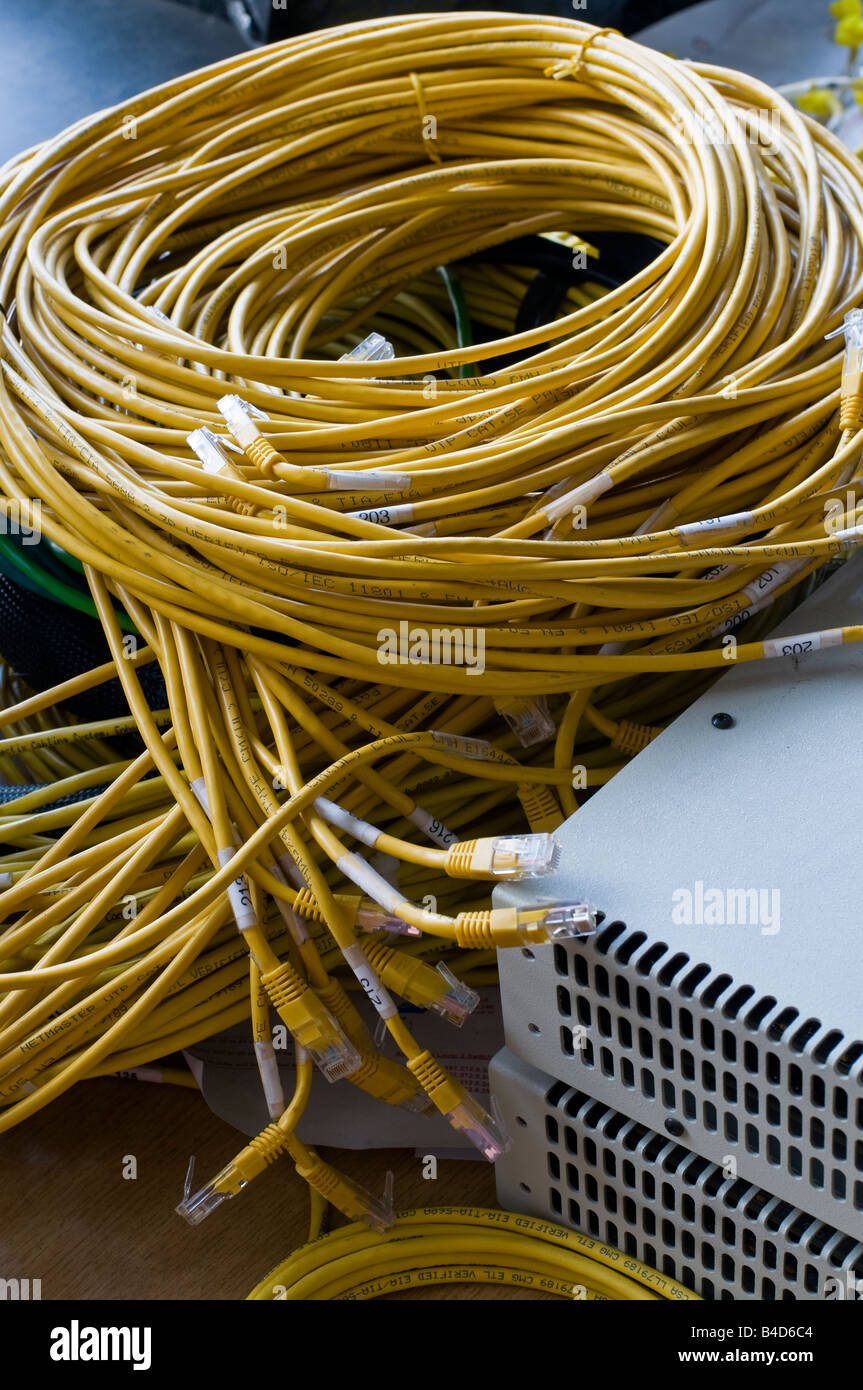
(69, 1217)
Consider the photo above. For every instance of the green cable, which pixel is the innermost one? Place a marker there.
(68, 561)
(24, 570)
(15, 572)
(461, 312)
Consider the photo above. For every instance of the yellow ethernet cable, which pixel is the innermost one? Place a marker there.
(413, 595)
(440, 1244)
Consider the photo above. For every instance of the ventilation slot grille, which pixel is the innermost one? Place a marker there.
(782, 1089)
(658, 1202)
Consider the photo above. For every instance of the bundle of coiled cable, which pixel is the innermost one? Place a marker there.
(439, 1245)
(413, 574)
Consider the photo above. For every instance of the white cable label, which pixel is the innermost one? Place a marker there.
(370, 982)
(371, 882)
(772, 579)
(463, 746)
(386, 516)
(339, 480)
(695, 531)
(291, 871)
(849, 533)
(268, 1069)
(758, 593)
(336, 815)
(580, 496)
(432, 827)
(199, 787)
(293, 921)
(239, 895)
(805, 643)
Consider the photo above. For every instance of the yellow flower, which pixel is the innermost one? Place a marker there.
(849, 31)
(846, 9)
(819, 102)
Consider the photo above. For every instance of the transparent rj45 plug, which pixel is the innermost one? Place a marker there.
(484, 1131)
(333, 1055)
(458, 1002)
(240, 416)
(196, 1206)
(374, 348)
(210, 450)
(572, 920)
(376, 919)
(524, 856)
(504, 856)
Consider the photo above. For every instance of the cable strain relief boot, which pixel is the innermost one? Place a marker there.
(378, 954)
(428, 1072)
(283, 985)
(262, 454)
(389, 1081)
(473, 931)
(335, 997)
(463, 1110)
(347, 1196)
(268, 1145)
(541, 807)
(310, 1022)
(306, 905)
(631, 738)
(851, 411)
(260, 1151)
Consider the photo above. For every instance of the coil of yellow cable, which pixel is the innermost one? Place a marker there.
(442, 1245)
(396, 596)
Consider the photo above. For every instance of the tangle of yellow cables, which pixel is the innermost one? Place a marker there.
(398, 599)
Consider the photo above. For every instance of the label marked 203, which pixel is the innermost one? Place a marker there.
(803, 644)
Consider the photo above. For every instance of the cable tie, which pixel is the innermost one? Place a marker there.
(570, 67)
